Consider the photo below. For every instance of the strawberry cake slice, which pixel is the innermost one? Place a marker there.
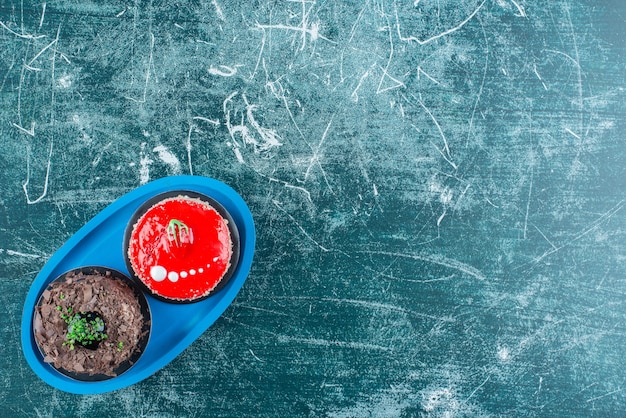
(182, 246)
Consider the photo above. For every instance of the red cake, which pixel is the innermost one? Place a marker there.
(180, 248)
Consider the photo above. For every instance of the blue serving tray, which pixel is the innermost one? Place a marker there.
(174, 326)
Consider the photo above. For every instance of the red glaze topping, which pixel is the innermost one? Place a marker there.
(180, 248)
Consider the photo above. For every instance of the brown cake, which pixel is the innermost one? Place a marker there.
(114, 300)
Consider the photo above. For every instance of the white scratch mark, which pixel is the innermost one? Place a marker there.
(39, 54)
(539, 388)
(441, 217)
(578, 72)
(491, 203)
(447, 155)
(444, 156)
(53, 65)
(482, 83)
(420, 71)
(256, 308)
(223, 71)
(19, 254)
(305, 15)
(30, 131)
(188, 146)
(354, 96)
(569, 131)
(312, 31)
(144, 166)
(284, 183)
(148, 69)
(49, 163)
(530, 191)
(306, 234)
(396, 83)
(546, 238)
(605, 395)
(218, 11)
(316, 154)
(168, 158)
(21, 35)
(45, 184)
(520, 9)
(98, 158)
(458, 201)
(43, 13)
(29, 68)
(569, 57)
(335, 343)
(282, 338)
(233, 129)
(593, 226)
(436, 259)
(477, 388)
(259, 56)
(355, 24)
(269, 137)
(211, 121)
(305, 28)
(238, 155)
(254, 355)
(377, 306)
(435, 37)
(200, 41)
(278, 91)
(539, 77)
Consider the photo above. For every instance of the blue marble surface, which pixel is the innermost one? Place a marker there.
(439, 190)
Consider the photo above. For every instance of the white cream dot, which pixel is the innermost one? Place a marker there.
(208, 265)
(158, 273)
(215, 259)
(192, 272)
(200, 270)
(183, 274)
(172, 276)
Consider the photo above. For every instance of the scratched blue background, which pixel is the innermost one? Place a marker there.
(439, 189)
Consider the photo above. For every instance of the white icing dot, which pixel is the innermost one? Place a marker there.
(183, 274)
(158, 273)
(215, 259)
(172, 276)
(192, 272)
(200, 270)
(208, 265)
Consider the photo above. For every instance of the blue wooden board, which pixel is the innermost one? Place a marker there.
(438, 187)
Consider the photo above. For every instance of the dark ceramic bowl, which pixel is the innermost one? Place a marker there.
(232, 226)
(145, 331)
